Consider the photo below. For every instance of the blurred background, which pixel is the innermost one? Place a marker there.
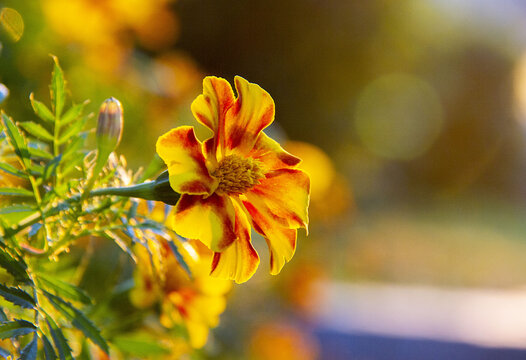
(410, 117)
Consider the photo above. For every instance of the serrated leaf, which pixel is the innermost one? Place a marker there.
(15, 267)
(121, 243)
(51, 168)
(61, 344)
(179, 258)
(17, 296)
(41, 110)
(36, 130)
(10, 169)
(73, 113)
(79, 320)
(16, 139)
(39, 153)
(16, 328)
(3, 316)
(57, 88)
(64, 289)
(49, 352)
(74, 129)
(9, 191)
(29, 352)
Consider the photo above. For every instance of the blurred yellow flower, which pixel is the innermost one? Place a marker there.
(237, 177)
(111, 27)
(194, 303)
(330, 193)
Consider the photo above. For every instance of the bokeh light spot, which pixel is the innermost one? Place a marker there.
(519, 87)
(12, 22)
(4, 92)
(398, 116)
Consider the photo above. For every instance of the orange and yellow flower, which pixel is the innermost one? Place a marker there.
(237, 178)
(194, 303)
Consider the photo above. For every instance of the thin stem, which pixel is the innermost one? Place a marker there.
(151, 190)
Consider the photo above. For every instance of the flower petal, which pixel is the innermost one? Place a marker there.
(210, 220)
(271, 154)
(283, 196)
(281, 241)
(240, 260)
(252, 112)
(210, 107)
(182, 153)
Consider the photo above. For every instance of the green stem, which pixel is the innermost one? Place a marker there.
(158, 190)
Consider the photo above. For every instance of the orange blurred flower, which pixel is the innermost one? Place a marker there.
(282, 341)
(237, 177)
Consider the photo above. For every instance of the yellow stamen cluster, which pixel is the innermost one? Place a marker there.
(237, 174)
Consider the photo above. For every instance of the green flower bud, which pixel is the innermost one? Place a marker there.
(109, 132)
(109, 126)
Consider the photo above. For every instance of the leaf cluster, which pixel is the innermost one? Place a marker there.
(43, 215)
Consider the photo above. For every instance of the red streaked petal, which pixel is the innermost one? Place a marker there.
(240, 260)
(210, 107)
(252, 112)
(281, 241)
(210, 220)
(183, 155)
(271, 154)
(283, 196)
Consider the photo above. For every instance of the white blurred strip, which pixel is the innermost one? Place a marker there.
(493, 318)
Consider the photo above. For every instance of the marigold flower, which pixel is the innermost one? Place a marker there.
(237, 178)
(194, 303)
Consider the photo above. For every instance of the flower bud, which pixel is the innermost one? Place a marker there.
(4, 92)
(109, 125)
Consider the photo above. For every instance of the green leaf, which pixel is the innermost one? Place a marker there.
(154, 168)
(29, 352)
(49, 352)
(15, 267)
(74, 146)
(9, 191)
(3, 317)
(41, 110)
(140, 345)
(16, 139)
(64, 289)
(17, 296)
(51, 168)
(14, 213)
(39, 153)
(79, 320)
(74, 129)
(16, 328)
(10, 169)
(17, 208)
(57, 88)
(73, 113)
(36, 130)
(61, 344)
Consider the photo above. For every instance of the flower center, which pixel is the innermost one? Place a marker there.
(237, 174)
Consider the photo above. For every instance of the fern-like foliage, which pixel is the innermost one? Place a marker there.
(44, 165)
